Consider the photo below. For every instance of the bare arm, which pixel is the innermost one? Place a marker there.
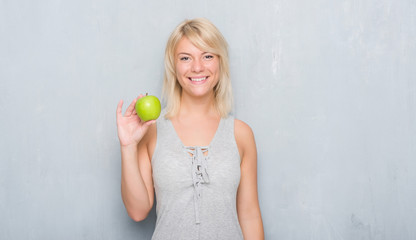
(136, 174)
(248, 208)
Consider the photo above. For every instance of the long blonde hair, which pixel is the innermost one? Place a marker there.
(205, 36)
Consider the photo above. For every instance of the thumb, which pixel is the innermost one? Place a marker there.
(148, 123)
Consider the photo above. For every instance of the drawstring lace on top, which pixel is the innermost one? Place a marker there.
(199, 175)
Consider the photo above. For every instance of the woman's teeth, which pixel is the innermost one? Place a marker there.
(198, 79)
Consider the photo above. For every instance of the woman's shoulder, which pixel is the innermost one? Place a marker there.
(241, 128)
(244, 136)
(149, 140)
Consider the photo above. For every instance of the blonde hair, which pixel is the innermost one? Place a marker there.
(205, 36)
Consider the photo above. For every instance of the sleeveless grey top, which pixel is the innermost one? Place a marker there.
(196, 186)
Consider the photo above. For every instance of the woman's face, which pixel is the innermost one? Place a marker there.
(196, 71)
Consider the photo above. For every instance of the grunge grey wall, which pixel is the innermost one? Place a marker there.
(328, 87)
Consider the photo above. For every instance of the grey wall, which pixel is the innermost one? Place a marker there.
(327, 86)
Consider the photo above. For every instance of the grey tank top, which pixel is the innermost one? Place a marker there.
(196, 186)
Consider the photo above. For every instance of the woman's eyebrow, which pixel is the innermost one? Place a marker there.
(191, 54)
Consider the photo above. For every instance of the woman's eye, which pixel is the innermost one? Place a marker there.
(184, 58)
(209, 57)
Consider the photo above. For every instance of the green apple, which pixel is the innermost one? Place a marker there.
(148, 108)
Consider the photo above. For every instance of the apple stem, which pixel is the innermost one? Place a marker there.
(146, 94)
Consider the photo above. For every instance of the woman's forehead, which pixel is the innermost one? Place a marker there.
(188, 47)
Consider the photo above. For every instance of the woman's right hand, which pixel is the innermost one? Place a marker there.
(130, 127)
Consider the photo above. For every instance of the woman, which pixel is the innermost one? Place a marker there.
(200, 162)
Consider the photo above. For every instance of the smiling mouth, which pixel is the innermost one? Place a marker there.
(199, 79)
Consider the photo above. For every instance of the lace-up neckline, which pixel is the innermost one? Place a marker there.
(196, 186)
(199, 156)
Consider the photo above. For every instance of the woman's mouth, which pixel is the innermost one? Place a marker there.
(198, 80)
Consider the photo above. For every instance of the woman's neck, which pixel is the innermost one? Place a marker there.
(201, 106)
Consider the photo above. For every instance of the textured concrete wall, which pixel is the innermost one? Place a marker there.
(328, 87)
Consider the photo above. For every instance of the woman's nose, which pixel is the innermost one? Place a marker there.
(197, 66)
